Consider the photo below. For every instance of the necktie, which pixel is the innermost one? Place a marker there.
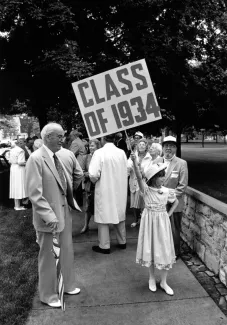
(60, 172)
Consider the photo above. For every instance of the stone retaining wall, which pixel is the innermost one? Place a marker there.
(204, 229)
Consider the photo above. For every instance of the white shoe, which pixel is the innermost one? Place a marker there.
(152, 285)
(56, 304)
(20, 208)
(74, 292)
(167, 289)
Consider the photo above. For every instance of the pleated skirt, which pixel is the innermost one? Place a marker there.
(155, 242)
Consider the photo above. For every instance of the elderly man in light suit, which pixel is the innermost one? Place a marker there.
(50, 181)
(176, 178)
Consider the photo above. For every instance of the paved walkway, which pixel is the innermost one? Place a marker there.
(114, 290)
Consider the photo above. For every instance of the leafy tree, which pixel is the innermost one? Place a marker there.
(8, 126)
(39, 56)
(177, 38)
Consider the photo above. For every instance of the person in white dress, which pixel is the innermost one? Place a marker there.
(17, 175)
(155, 247)
(108, 170)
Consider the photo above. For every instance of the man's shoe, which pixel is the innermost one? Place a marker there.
(97, 249)
(74, 292)
(56, 304)
(121, 246)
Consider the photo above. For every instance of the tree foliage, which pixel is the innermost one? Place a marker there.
(39, 55)
(58, 42)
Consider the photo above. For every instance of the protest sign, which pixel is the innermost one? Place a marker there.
(117, 99)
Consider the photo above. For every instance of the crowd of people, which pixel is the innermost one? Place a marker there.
(62, 173)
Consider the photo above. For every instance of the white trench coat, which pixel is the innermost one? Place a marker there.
(109, 167)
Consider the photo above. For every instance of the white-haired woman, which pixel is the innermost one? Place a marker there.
(17, 175)
(37, 144)
(155, 150)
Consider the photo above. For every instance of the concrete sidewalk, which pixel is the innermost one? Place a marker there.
(114, 290)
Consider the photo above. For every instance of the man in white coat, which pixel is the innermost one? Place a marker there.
(108, 170)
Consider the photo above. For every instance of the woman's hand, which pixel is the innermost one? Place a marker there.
(133, 156)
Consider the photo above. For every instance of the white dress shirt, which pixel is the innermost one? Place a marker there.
(168, 161)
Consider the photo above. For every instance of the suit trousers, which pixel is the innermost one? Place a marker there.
(104, 234)
(46, 262)
(175, 221)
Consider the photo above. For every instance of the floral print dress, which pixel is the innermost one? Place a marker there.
(155, 242)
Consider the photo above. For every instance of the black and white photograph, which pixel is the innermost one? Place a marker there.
(113, 162)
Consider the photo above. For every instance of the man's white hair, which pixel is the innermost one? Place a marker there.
(49, 128)
(157, 147)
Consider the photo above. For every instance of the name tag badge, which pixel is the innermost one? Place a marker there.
(174, 174)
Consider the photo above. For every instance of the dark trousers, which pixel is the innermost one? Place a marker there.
(79, 195)
(175, 221)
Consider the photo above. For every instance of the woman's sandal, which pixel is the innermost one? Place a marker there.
(134, 224)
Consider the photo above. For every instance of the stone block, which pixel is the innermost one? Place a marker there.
(209, 273)
(209, 229)
(200, 220)
(200, 249)
(224, 224)
(206, 211)
(222, 302)
(219, 234)
(187, 233)
(185, 239)
(189, 213)
(203, 209)
(216, 280)
(201, 268)
(212, 261)
(195, 229)
(185, 221)
(205, 238)
(216, 217)
(223, 274)
(222, 291)
(223, 257)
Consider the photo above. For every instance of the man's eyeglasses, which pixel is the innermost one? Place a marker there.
(169, 145)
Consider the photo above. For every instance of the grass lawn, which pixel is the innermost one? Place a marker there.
(18, 266)
(207, 168)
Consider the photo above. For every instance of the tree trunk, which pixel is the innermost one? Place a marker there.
(178, 133)
(203, 136)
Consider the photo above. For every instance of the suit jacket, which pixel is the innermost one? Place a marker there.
(177, 178)
(72, 168)
(78, 148)
(45, 190)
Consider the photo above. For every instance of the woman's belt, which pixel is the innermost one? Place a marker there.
(156, 207)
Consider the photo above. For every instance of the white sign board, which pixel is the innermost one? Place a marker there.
(117, 99)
